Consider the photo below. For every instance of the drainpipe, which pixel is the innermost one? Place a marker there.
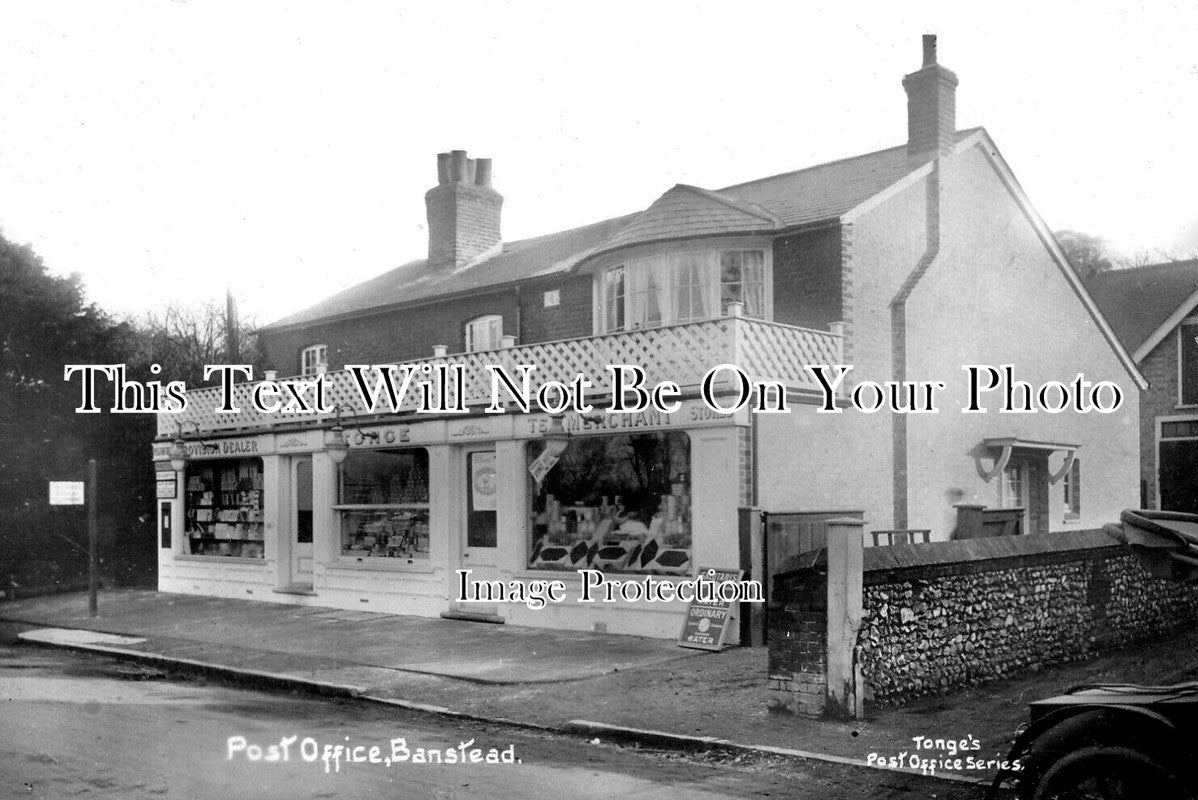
(519, 320)
(898, 341)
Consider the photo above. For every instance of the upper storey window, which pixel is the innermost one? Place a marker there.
(1187, 362)
(314, 360)
(484, 333)
(685, 287)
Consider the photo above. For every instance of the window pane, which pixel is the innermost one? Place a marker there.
(644, 293)
(742, 280)
(1189, 364)
(753, 280)
(484, 333)
(385, 477)
(691, 301)
(385, 533)
(613, 299)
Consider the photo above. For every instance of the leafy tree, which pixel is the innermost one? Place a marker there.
(1087, 254)
(46, 323)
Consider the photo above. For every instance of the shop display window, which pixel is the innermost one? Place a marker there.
(615, 503)
(383, 505)
(223, 508)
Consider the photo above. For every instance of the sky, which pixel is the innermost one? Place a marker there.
(167, 150)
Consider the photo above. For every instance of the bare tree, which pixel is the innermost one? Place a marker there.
(182, 338)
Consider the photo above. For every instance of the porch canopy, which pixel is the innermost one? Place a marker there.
(1005, 446)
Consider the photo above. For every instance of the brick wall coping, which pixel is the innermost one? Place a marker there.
(904, 562)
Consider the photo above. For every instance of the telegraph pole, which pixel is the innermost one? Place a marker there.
(93, 561)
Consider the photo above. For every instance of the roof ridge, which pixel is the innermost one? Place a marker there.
(1184, 262)
(961, 134)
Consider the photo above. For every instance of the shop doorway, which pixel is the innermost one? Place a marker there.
(301, 523)
(479, 529)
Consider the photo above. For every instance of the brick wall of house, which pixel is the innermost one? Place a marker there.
(390, 336)
(807, 281)
(993, 294)
(570, 319)
(1160, 370)
(400, 334)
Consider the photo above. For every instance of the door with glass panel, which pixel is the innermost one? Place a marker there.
(301, 522)
(480, 533)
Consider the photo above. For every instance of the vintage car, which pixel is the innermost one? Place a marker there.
(1109, 742)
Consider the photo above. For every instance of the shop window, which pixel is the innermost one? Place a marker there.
(383, 506)
(484, 333)
(314, 360)
(1187, 367)
(615, 503)
(223, 508)
(1073, 491)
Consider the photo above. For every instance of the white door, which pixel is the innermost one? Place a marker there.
(301, 521)
(480, 532)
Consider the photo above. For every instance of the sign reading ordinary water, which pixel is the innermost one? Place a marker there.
(66, 493)
(706, 624)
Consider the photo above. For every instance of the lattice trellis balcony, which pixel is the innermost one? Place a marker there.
(766, 351)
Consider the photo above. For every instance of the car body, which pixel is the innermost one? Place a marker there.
(1107, 741)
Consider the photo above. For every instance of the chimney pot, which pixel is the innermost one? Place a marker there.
(929, 49)
(470, 163)
(458, 172)
(482, 172)
(442, 167)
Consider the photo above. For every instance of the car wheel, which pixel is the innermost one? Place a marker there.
(1107, 773)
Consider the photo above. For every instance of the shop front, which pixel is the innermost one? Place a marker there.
(393, 523)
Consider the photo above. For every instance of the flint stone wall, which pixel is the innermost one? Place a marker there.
(947, 615)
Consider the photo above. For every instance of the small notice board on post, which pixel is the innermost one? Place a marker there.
(66, 493)
(706, 624)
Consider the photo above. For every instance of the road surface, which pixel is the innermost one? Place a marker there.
(76, 725)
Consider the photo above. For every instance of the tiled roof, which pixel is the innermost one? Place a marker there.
(689, 212)
(791, 199)
(415, 281)
(1136, 302)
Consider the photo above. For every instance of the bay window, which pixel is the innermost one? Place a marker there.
(682, 287)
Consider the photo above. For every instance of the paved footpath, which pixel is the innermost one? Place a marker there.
(616, 687)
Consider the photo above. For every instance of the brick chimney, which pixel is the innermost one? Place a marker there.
(931, 106)
(463, 210)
